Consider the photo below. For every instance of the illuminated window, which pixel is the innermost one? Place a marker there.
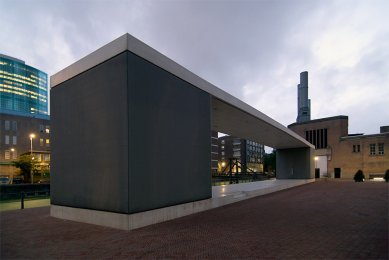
(47, 129)
(46, 157)
(7, 155)
(14, 154)
(41, 141)
(47, 142)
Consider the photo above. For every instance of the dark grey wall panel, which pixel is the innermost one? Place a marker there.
(170, 138)
(90, 139)
(295, 163)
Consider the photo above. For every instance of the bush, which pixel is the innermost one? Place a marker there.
(359, 176)
(386, 177)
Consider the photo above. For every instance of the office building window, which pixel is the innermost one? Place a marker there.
(7, 155)
(372, 149)
(14, 154)
(7, 125)
(46, 157)
(14, 140)
(14, 126)
(6, 139)
(381, 149)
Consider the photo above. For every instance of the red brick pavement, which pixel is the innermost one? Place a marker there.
(325, 219)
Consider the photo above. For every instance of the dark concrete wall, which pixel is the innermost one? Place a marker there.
(295, 163)
(170, 138)
(129, 137)
(90, 139)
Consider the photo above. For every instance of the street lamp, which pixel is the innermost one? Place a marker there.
(32, 176)
(316, 159)
(12, 152)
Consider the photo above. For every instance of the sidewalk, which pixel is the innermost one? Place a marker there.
(28, 203)
(324, 219)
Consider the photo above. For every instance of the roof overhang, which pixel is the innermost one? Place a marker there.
(229, 114)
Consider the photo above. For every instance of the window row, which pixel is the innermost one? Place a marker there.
(13, 125)
(10, 125)
(375, 151)
(7, 140)
(317, 137)
(10, 154)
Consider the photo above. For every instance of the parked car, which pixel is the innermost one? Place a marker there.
(17, 180)
(4, 180)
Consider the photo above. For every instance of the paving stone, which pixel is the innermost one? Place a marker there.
(321, 220)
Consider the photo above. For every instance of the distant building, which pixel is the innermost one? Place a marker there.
(23, 111)
(303, 103)
(214, 152)
(23, 89)
(339, 154)
(248, 153)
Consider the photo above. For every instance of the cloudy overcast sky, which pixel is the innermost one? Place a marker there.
(255, 50)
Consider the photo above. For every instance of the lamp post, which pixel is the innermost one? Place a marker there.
(316, 159)
(32, 176)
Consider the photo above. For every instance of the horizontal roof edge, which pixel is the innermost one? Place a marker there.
(93, 59)
(130, 43)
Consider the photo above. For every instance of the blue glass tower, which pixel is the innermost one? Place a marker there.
(23, 89)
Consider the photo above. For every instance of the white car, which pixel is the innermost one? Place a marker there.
(4, 180)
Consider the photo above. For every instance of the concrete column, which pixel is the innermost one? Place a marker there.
(295, 163)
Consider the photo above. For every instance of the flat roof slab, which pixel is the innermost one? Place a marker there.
(229, 115)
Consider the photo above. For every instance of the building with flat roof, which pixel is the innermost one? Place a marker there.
(23, 89)
(339, 154)
(15, 140)
(130, 110)
(23, 112)
(248, 153)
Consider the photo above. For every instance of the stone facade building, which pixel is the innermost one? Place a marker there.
(339, 154)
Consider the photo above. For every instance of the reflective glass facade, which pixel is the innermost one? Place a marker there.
(23, 89)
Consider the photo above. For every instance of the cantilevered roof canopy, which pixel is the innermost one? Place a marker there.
(229, 114)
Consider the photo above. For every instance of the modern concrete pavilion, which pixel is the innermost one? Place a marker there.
(132, 137)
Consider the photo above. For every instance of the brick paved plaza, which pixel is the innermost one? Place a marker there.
(325, 219)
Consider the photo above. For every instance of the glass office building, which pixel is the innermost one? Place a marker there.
(23, 89)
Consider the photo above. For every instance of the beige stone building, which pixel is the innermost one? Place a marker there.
(339, 154)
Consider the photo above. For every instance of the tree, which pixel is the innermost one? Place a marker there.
(25, 164)
(270, 161)
(359, 176)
